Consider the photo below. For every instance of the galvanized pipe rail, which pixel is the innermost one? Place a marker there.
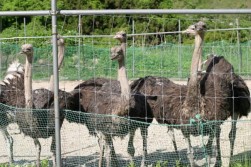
(126, 11)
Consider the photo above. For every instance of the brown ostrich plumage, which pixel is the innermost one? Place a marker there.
(217, 95)
(105, 97)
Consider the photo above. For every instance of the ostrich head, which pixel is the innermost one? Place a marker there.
(121, 36)
(196, 29)
(27, 49)
(60, 40)
(117, 53)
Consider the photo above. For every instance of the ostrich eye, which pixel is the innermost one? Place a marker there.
(192, 27)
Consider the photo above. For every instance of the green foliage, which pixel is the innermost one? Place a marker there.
(244, 161)
(103, 25)
(161, 164)
(87, 61)
(44, 163)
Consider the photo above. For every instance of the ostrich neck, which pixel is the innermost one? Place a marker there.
(122, 78)
(123, 46)
(191, 102)
(28, 82)
(196, 62)
(61, 49)
(60, 55)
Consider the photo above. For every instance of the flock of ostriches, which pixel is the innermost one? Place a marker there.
(216, 93)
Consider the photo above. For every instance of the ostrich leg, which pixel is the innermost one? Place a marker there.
(9, 142)
(102, 148)
(190, 151)
(111, 157)
(218, 156)
(209, 147)
(170, 131)
(53, 150)
(38, 147)
(232, 134)
(144, 134)
(130, 147)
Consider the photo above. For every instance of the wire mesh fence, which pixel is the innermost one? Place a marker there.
(161, 60)
(80, 144)
(88, 57)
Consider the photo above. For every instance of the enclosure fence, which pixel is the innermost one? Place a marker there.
(77, 142)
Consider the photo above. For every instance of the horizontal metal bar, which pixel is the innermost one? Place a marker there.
(109, 36)
(25, 13)
(156, 11)
(127, 11)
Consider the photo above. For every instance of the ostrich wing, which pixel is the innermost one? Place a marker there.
(240, 95)
(92, 83)
(42, 98)
(12, 92)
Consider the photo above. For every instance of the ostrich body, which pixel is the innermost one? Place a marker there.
(10, 87)
(40, 123)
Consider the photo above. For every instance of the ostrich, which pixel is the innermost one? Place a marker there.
(116, 98)
(10, 87)
(213, 96)
(88, 93)
(153, 87)
(40, 123)
(167, 107)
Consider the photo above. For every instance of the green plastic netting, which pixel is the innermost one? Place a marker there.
(80, 139)
(87, 61)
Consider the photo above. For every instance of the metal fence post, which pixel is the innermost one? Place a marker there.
(239, 46)
(56, 82)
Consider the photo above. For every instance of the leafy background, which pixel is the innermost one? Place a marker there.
(163, 54)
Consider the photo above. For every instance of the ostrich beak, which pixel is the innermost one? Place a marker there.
(112, 57)
(118, 36)
(187, 31)
(21, 53)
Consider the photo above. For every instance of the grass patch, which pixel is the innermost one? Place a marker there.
(44, 163)
(244, 162)
(168, 60)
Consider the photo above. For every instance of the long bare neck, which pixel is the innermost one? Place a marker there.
(28, 82)
(122, 78)
(196, 63)
(123, 46)
(61, 50)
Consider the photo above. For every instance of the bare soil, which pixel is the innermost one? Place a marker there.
(81, 149)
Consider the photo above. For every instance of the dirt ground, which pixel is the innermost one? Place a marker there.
(81, 149)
